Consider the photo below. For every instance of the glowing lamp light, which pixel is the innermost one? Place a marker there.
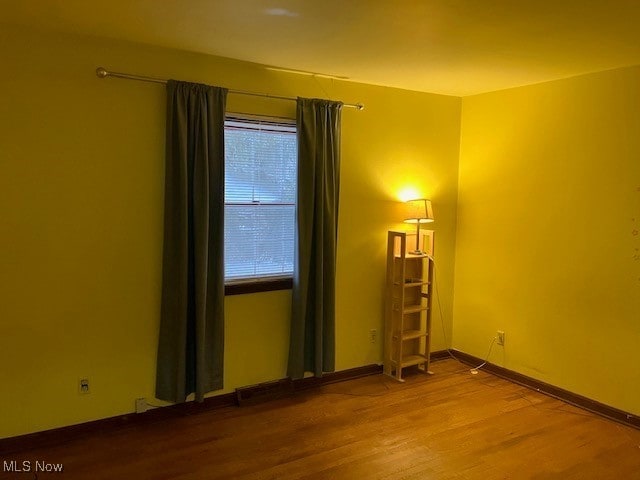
(419, 212)
(408, 193)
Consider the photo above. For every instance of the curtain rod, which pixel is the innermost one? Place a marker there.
(101, 72)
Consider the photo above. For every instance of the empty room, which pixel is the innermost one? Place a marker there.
(320, 240)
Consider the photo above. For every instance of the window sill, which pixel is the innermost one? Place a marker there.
(266, 285)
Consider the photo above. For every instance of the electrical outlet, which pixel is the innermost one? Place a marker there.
(83, 386)
(141, 405)
(373, 335)
(500, 337)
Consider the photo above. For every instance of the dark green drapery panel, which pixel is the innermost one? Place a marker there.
(191, 343)
(312, 340)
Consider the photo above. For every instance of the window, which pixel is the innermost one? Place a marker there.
(260, 196)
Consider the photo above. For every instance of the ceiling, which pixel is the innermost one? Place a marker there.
(453, 47)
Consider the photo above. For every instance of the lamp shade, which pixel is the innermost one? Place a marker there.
(419, 211)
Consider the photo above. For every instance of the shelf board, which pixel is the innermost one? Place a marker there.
(413, 334)
(414, 308)
(411, 256)
(412, 282)
(415, 359)
(415, 284)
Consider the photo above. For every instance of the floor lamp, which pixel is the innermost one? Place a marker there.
(420, 212)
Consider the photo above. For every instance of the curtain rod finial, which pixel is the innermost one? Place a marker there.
(101, 72)
(359, 106)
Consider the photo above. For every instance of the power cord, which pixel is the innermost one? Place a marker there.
(473, 370)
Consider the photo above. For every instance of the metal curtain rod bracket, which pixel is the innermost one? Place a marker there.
(101, 72)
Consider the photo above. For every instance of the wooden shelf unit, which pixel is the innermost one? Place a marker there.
(408, 293)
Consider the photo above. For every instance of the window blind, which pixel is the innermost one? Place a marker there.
(260, 195)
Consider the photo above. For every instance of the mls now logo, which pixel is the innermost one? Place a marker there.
(29, 466)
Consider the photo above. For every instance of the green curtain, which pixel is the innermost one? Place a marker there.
(312, 336)
(191, 342)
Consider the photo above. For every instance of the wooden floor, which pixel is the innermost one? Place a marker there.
(452, 425)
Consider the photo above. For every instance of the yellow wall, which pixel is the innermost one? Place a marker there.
(549, 199)
(81, 191)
